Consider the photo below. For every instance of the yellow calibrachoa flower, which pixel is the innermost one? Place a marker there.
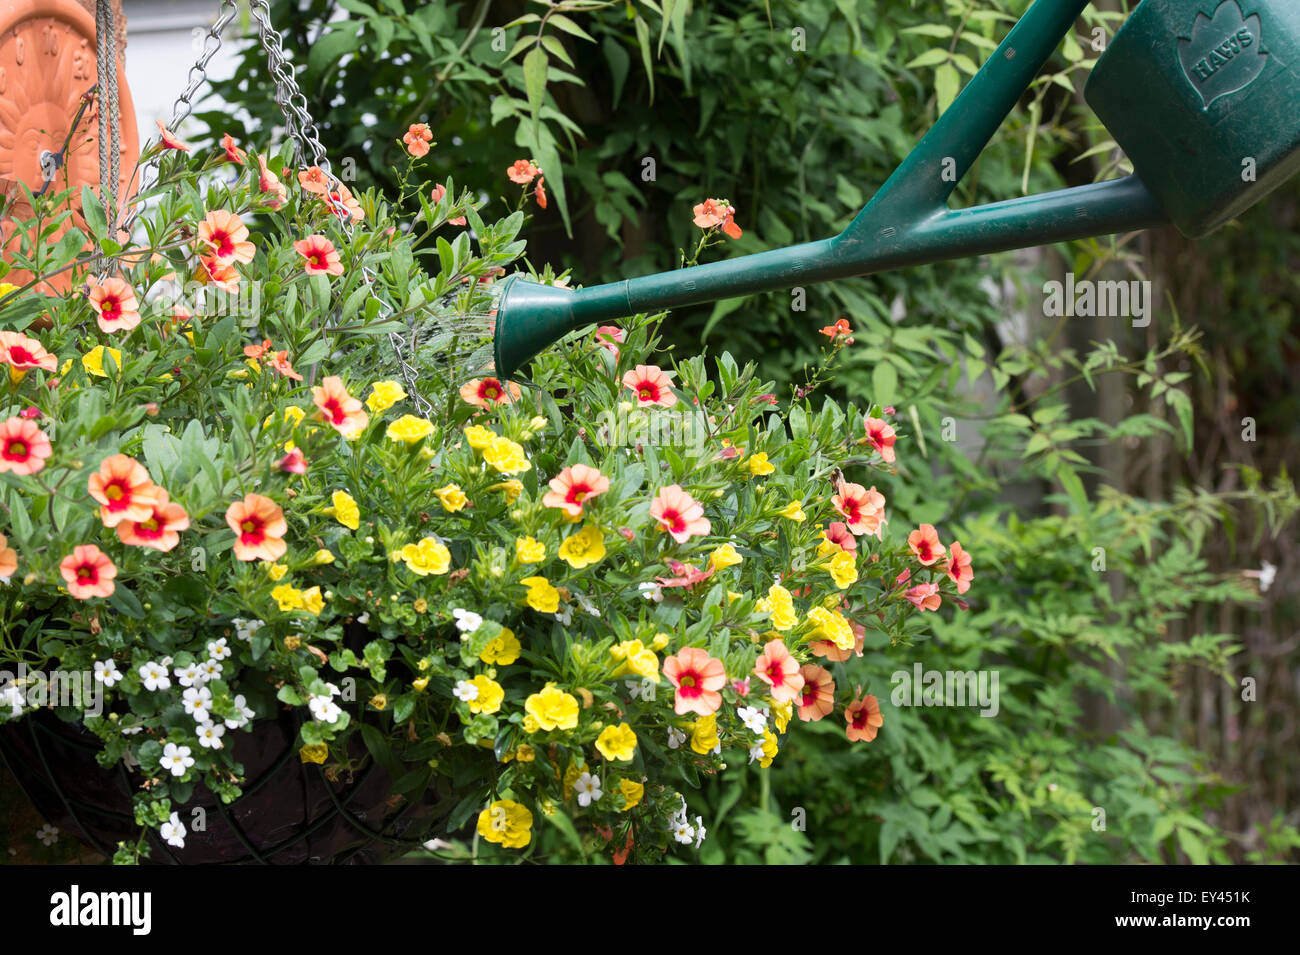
(793, 511)
(93, 360)
(780, 605)
(502, 650)
(660, 641)
(769, 749)
(781, 713)
(277, 571)
(724, 557)
(490, 695)
(843, 569)
(506, 823)
(314, 753)
(512, 489)
(831, 625)
(409, 429)
(479, 437)
(288, 597)
(576, 769)
(758, 464)
(704, 734)
(429, 556)
(322, 556)
(312, 601)
(525, 753)
(542, 597)
(452, 497)
(6, 288)
(529, 551)
(506, 456)
(419, 683)
(552, 709)
(584, 548)
(345, 510)
(383, 395)
(632, 792)
(637, 660)
(616, 742)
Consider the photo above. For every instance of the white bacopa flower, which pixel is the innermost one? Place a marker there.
(588, 789)
(211, 669)
(324, 709)
(218, 650)
(334, 690)
(364, 618)
(247, 629)
(467, 621)
(154, 676)
(177, 759)
(197, 701)
(1267, 574)
(465, 691)
(587, 606)
(756, 752)
(12, 697)
(683, 832)
(700, 831)
(675, 737)
(106, 671)
(565, 616)
(651, 591)
(190, 675)
(173, 831)
(755, 720)
(210, 734)
(48, 834)
(245, 713)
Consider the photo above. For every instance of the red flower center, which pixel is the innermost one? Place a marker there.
(252, 530)
(648, 391)
(18, 355)
(16, 451)
(775, 673)
(87, 574)
(335, 411)
(673, 521)
(111, 308)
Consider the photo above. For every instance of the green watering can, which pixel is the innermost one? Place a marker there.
(1201, 94)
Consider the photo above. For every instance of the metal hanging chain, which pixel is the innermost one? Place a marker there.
(110, 143)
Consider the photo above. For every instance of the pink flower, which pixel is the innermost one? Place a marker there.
(717, 212)
(610, 337)
(88, 572)
(228, 237)
(571, 488)
(863, 510)
(925, 596)
(23, 447)
(115, 305)
(268, 181)
(864, 719)
(651, 385)
(293, 463)
(169, 139)
(697, 678)
(838, 533)
(741, 687)
(959, 569)
(817, 698)
(779, 670)
(687, 576)
(418, 137)
(679, 514)
(320, 254)
(436, 197)
(924, 542)
(233, 153)
(881, 435)
(522, 172)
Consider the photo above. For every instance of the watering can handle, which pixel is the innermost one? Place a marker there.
(906, 223)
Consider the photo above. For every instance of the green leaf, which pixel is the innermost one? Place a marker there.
(884, 383)
(557, 49)
(947, 84)
(643, 40)
(720, 311)
(535, 79)
(929, 58)
(619, 63)
(568, 26)
(93, 212)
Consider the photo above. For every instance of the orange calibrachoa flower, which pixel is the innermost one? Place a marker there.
(817, 698)
(863, 509)
(717, 212)
(436, 197)
(863, 717)
(268, 181)
(571, 488)
(779, 670)
(610, 337)
(539, 193)
(320, 255)
(313, 179)
(22, 353)
(280, 362)
(840, 328)
(212, 271)
(839, 534)
(88, 572)
(341, 197)
(124, 490)
(259, 527)
(485, 392)
(169, 139)
(881, 435)
(652, 386)
(924, 542)
(679, 514)
(522, 171)
(23, 447)
(959, 569)
(925, 596)
(697, 678)
(417, 139)
(115, 305)
(339, 408)
(161, 530)
(226, 233)
(233, 153)
(8, 560)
